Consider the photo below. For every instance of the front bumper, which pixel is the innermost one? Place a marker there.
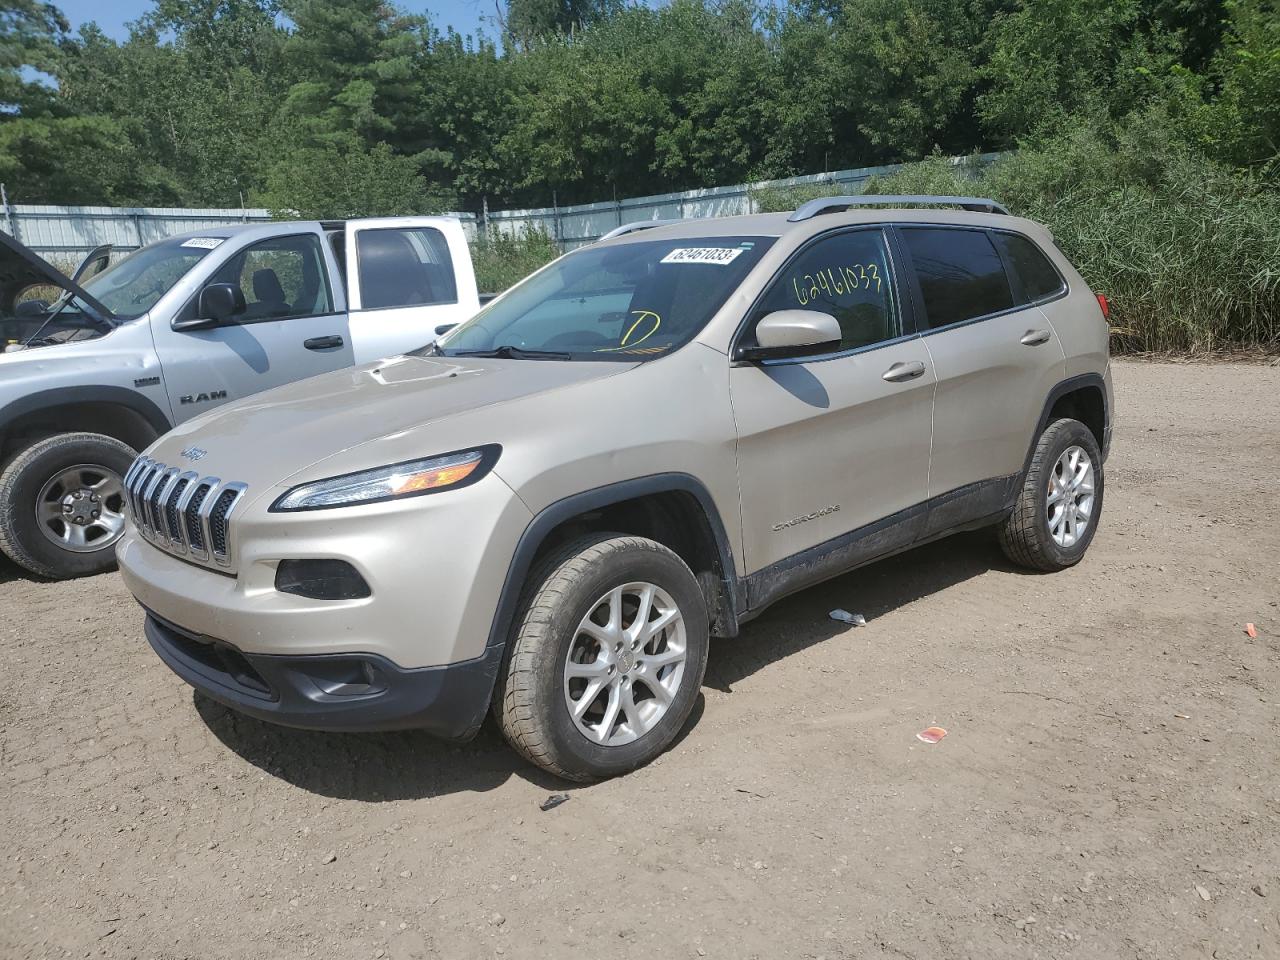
(350, 692)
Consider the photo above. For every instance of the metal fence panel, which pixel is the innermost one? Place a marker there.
(580, 224)
(68, 231)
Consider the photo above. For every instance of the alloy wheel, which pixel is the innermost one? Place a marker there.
(625, 664)
(1069, 505)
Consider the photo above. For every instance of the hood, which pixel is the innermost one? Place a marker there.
(268, 438)
(21, 267)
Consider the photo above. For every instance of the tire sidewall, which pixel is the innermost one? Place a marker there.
(32, 474)
(579, 754)
(1056, 439)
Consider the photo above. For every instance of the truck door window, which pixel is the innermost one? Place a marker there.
(281, 278)
(404, 267)
(846, 276)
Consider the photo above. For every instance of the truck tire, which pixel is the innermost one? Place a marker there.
(590, 689)
(62, 505)
(1058, 510)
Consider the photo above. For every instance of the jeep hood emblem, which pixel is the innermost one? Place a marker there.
(194, 453)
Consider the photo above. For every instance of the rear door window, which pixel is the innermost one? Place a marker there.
(404, 267)
(1033, 276)
(961, 275)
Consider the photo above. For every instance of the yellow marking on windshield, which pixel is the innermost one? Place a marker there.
(626, 343)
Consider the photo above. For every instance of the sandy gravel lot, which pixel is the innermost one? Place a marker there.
(1109, 788)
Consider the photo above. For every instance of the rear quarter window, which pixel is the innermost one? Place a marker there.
(961, 274)
(1033, 276)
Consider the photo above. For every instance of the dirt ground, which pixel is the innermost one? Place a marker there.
(1109, 786)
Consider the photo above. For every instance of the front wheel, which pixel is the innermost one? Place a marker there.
(607, 658)
(62, 505)
(1057, 512)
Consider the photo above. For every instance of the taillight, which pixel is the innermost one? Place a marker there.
(1105, 305)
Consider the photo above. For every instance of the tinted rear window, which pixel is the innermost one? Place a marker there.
(1034, 277)
(404, 267)
(960, 273)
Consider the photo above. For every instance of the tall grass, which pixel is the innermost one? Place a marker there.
(502, 260)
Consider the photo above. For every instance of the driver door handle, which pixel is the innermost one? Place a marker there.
(903, 371)
(1033, 338)
(322, 343)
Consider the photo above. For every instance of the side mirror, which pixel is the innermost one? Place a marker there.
(792, 333)
(444, 328)
(31, 308)
(217, 304)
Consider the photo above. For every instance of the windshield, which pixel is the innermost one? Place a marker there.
(633, 301)
(132, 286)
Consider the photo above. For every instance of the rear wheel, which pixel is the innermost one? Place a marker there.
(62, 504)
(1058, 510)
(607, 658)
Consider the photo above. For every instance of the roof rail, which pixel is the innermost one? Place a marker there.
(634, 226)
(837, 204)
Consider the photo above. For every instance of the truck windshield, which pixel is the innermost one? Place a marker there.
(632, 301)
(132, 286)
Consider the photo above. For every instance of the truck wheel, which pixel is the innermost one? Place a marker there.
(607, 659)
(62, 505)
(1057, 512)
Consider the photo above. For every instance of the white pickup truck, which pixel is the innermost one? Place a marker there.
(93, 369)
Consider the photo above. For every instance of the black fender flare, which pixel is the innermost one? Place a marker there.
(550, 517)
(1060, 390)
(68, 396)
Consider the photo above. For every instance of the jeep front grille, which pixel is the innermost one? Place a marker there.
(183, 513)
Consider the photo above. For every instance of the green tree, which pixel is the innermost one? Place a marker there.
(353, 66)
(85, 160)
(31, 37)
(336, 182)
(1244, 122)
(1053, 59)
(527, 21)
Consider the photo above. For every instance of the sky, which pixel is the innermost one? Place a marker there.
(463, 15)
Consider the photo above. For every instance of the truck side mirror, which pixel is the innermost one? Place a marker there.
(217, 304)
(792, 333)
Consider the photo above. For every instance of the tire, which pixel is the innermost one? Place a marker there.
(31, 491)
(1037, 535)
(532, 701)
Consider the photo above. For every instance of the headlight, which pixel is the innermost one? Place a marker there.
(448, 471)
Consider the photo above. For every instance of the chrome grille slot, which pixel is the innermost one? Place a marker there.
(219, 532)
(183, 513)
(159, 498)
(172, 521)
(191, 517)
(156, 478)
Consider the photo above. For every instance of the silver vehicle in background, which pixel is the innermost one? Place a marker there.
(94, 367)
(549, 512)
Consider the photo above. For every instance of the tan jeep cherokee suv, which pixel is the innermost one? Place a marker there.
(550, 510)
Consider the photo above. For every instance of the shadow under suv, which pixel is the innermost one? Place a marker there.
(549, 511)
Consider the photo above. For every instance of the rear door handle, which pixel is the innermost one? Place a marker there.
(322, 343)
(1033, 338)
(903, 371)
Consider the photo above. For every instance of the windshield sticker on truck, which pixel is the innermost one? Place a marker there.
(203, 243)
(717, 255)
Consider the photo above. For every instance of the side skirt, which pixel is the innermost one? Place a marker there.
(965, 508)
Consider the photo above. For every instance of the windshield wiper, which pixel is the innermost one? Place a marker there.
(507, 352)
